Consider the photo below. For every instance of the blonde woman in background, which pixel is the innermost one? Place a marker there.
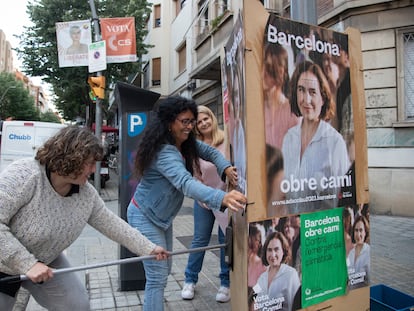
(207, 131)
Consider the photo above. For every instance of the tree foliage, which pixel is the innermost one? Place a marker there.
(38, 48)
(15, 100)
(49, 116)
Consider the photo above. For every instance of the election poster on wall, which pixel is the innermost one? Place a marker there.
(301, 260)
(234, 101)
(73, 39)
(310, 249)
(309, 129)
(119, 34)
(322, 252)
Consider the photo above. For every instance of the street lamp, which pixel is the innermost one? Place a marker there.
(4, 94)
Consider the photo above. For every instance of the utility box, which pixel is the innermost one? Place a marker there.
(384, 298)
(134, 109)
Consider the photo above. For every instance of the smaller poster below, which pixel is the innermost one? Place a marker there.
(357, 242)
(274, 264)
(301, 260)
(324, 270)
(73, 39)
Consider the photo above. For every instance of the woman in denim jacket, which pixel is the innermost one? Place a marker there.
(166, 160)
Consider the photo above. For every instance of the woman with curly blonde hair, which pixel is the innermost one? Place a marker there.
(45, 203)
(208, 131)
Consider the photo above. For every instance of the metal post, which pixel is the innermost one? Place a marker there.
(304, 11)
(98, 108)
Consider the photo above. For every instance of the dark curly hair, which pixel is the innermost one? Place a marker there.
(68, 150)
(157, 133)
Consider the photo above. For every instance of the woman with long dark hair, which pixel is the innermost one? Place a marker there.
(166, 160)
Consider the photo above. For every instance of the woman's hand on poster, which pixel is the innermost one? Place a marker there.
(235, 200)
(232, 176)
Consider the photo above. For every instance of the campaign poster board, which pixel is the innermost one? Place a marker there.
(120, 37)
(308, 117)
(337, 295)
(305, 260)
(73, 39)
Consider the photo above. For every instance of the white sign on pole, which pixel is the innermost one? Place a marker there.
(97, 56)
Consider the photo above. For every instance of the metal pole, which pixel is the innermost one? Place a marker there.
(98, 108)
(23, 277)
(304, 11)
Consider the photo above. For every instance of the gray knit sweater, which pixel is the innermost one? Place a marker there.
(37, 224)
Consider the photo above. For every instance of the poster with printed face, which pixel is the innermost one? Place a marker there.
(234, 103)
(73, 39)
(301, 260)
(309, 129)
(274, 264)
(313, 225)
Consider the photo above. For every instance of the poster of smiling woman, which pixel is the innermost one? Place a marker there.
(308, 116)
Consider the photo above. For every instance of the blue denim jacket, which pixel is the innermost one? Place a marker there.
(161, 190)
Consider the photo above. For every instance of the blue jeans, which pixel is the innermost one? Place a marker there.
(156, 272)
(203, 226)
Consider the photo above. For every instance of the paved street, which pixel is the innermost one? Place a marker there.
(391, 260)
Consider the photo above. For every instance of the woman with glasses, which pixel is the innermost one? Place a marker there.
(167, 158)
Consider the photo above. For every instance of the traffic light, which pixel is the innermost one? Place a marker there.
(97, 85)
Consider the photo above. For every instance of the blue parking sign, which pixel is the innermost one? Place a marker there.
(136, 123)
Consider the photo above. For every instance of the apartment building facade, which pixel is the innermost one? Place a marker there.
(387, 42)
(6, 65)
(189, 37)
(6, 55)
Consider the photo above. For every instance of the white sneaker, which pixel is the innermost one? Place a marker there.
(187, 292)
(223, 294)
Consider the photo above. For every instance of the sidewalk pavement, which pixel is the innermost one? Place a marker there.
(392, 263)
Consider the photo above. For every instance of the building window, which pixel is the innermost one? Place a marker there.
(179, 5)
(221, 7)
(156, 71)
(203, 16)
(182, 58)
(146, 76)
(157, 15)
(405, 52)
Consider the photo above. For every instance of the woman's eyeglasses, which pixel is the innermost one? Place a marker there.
(187, 122)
